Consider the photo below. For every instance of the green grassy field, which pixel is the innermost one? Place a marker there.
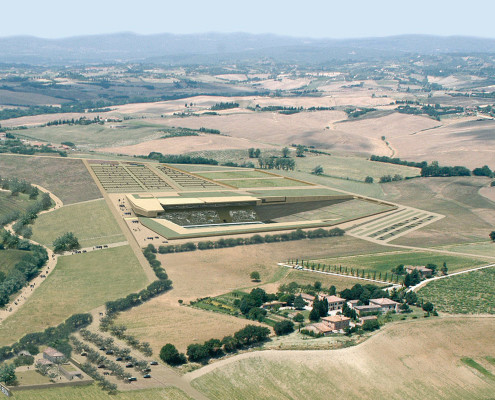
(78, 284)
(385, 262)
(92, 392)
(66, 178)
(31, 378)
(352, 167)
(92, 223)
(10, 203)
(96, 135)
(482, 248)
(470, 293)
(9, 257)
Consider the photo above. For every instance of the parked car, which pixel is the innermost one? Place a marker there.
(132, 379)
(154, 363)
(147, 376)
(129, 365)
(118, 359)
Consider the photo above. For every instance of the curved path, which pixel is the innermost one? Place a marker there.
(28, 290)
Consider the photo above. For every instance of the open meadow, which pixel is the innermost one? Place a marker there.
(470, 293)
(68, 179)
(418, 359)
(78, 284)
(91, 222)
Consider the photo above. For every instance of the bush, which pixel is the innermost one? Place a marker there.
(371, 325)
(170, 355)
(283, 327)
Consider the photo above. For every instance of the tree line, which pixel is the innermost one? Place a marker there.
(434, 169)
(161, 285)
(298, 234)
(214, 348)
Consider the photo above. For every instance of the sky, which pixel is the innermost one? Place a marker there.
(302, 18)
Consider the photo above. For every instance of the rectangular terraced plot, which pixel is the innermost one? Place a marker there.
(115, 178)
(148, 178)
(187, 181)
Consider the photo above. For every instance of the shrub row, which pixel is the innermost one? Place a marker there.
(215, 348)
(298, 234)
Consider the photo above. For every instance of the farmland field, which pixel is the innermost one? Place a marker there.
(417, 359)
(78, 284)
(470, 293)
(385, 262)
(93, 392)
(92, 223)
(357, 168)
(10, 203)
(67, 179)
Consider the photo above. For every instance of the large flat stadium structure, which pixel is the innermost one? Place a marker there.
(176, 204)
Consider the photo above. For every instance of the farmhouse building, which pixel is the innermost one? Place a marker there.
(352, 303)
(372, 308)
(385, 304)
(319, 329)
(362, 320)
(53, 355)
(336, 322)
(334, 303)
(425, 272)
(308, 298)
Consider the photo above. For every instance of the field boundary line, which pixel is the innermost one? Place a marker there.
(398, 285)
(426, 281)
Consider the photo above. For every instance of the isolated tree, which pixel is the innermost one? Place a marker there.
(445, 270)
(318, 170)
(299, 318)
(300, 151)
(332, 291)
(170, 355)
(283, 327)
(255, 276)
(317, 285)
(285, 152)
(7, 374)
(257, 153)
(368, 179)
(299, 303)
(314, 315)
(492, 236)
(251, 152)
(428, 307)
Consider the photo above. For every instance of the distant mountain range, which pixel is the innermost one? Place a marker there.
(218, 47)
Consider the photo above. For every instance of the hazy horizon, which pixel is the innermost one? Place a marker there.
(55, 19)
